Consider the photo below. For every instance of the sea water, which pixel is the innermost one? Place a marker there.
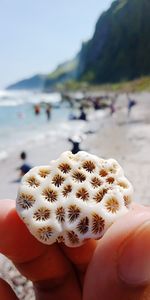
(20, 127)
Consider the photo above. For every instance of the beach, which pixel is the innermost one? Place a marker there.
(125, 139)
(118, 136)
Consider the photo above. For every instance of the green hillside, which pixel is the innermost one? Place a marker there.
(118, 52)
(64, 72)
(120, 47)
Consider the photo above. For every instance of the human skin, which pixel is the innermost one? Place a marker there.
(115, 267)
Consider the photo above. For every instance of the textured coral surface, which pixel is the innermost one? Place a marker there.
(75, 198)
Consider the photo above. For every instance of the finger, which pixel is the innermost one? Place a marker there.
(80, 256)
(6, 293)
(52, 275)
(120, 267)
(15, 240)
(44, 265)
(62, 290)
(30, 249)
(23, 249)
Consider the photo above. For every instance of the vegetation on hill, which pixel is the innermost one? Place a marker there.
(118, 52)
(63, 73)
(136, 85)
(120, 47)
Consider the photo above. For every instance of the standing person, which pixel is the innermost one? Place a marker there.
(112, 107)
(113, 104)
(131, 103)
(82, 114)
(48, 111)
(75, 144)
(37, 109)
(96, 103)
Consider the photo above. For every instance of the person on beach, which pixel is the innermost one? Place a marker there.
(112, 106)
(131, 103)
(25, 167)
(97, 103)
(75, 144)
(48, 111)
(82, 114)
(117, 267)
(37, 109)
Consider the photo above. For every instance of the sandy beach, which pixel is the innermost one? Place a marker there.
(125, 139)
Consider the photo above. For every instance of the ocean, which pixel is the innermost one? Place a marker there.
(20, 127)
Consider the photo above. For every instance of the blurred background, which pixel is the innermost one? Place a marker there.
(74, 75)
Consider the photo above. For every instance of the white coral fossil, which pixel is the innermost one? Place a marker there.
(75, 198)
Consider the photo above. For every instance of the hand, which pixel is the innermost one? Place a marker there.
(117, 267)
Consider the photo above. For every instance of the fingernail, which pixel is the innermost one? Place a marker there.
(134, 257)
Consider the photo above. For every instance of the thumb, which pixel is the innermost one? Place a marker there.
(120, 267)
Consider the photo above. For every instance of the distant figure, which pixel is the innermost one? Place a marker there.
(112, 107)
(25, 167)
(37, 109)
(82, 114)
(96, 104)
(131, 103)
(75, 144)
(48, 111)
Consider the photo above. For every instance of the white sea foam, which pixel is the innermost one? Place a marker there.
(10, 102)
(14, 98)
(19, 127)
(3, 155)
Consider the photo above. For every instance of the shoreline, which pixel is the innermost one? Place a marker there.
(126, 140)
(42, 150)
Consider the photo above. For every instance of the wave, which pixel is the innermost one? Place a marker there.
(11, 103)
(19, 124)
(14, 98)
(3, 155)
(61, 131)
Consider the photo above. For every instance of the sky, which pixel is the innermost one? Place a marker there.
(37, 35)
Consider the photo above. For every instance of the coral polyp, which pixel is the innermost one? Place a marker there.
(73, 199)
